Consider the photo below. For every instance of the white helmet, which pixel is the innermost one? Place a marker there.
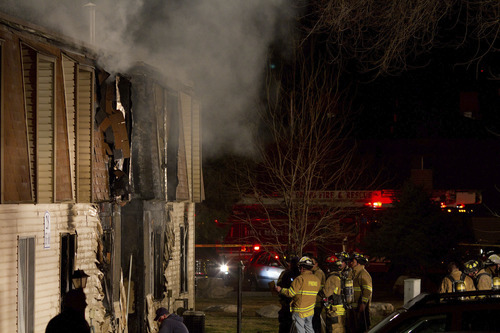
(306, 262)
(494, 259)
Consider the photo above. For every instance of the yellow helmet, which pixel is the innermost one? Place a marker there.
(472, 266)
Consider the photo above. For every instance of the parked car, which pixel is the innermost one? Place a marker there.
(477, 311)
(219, 268)
(262, 268)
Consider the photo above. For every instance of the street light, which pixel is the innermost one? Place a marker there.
(79, 279)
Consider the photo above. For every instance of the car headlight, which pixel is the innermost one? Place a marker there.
(224, 269)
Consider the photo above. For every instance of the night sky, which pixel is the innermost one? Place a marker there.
(418, 118)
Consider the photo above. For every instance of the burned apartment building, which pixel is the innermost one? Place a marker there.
(99, 173)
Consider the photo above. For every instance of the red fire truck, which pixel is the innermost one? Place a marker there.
(249, 224)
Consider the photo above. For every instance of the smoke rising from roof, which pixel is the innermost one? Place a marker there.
(219, 45)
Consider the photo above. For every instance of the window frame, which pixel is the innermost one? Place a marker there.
(183, 257)
(26, 284)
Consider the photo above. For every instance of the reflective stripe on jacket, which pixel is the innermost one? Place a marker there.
(303, 292)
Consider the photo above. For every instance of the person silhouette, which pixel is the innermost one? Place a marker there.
(72, 317)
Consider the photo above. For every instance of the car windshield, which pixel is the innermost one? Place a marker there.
(384, 322)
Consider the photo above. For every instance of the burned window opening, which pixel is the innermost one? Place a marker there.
(113, 118)
(158, 277)
(68, 250)
(184, 263)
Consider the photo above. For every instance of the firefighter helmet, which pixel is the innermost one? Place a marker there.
(472, 266)
(493, 259)
(361, 259)
(306, 262)
(334, 263)
(332, 259)
(344, 256)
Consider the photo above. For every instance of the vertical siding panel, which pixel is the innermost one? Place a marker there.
(197, 180)
(69, 72)
(182, 192)
(84, 132)
(185, 101)
(63, 162)
(45, 131)
(29, 83)
(16, 183)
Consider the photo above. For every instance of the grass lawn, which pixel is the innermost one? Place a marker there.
(221, 322)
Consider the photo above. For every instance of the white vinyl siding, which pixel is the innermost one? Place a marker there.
(69, 75)
(84, 119)
(26, 221)
(45, 130)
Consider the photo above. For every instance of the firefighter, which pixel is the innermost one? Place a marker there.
(482, 280)
(456, 280)
(285, 281)
(333, 298)
(345, 257)
(319, 306)
(359, 316)
(492, 265)
(303, 292)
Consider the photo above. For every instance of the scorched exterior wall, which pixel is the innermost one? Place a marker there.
(65, 153)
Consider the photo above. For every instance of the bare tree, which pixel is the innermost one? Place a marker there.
(384, 36)
(303, 151)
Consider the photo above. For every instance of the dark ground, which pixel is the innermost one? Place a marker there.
(221, 322)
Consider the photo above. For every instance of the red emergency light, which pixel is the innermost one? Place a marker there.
(380, 198)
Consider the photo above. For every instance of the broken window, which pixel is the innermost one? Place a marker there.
(158, 271)
(183, 234)
(68, 249)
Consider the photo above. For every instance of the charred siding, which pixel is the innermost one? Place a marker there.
(145, 169)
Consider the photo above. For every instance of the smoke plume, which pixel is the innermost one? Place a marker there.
(218, 45)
